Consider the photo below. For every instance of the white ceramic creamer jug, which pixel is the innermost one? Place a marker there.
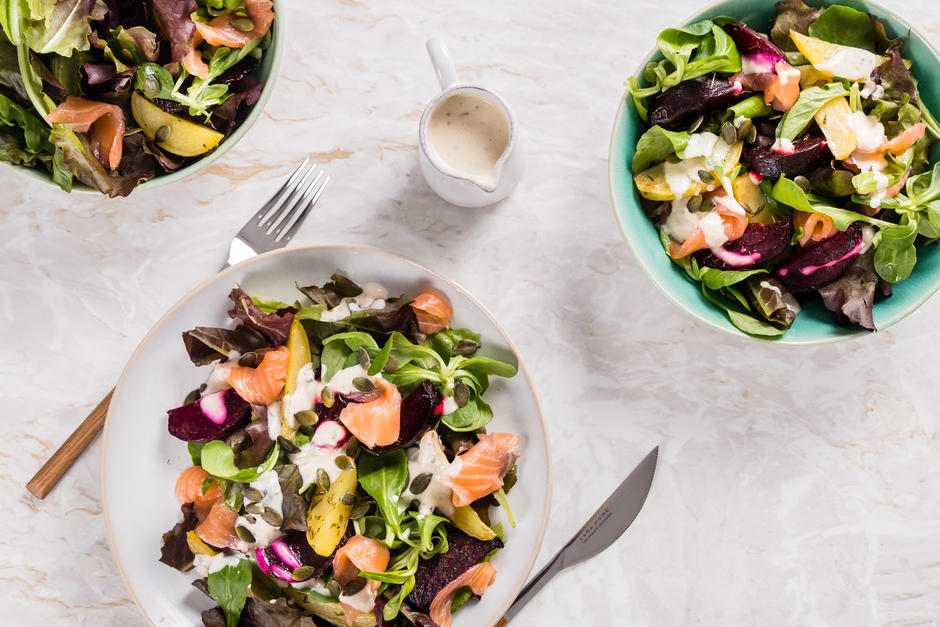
(470, 149)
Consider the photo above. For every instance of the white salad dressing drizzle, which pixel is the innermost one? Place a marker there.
(342, 381)
(783, 146)
(364, 600)
(787, 297)
(428, 457)
(305, 395)
(373, 296)
(705, 151)
(872, 90)
(272, 498)
(339, 312)
(205, 565)
(868, 233)
(869, 131)
(274, 419)
(315, 454)
(700, 145)
(854, 64)
(755, 65)
(216, 381)
(450, 404)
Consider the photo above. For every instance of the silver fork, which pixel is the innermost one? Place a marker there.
(272, 227)
(278, 220)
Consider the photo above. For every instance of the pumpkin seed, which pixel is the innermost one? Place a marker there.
(364, 360)
(151, 86)
(271, 517)
(694, 204)
(244, 534)
(352, 449)
(706, 177)
(323, 479)
(243, 24)
(803, 182)
(334, 588)
(303, 573)
(348, 499)
(251, 519)
(707, 204)
(192, 397)
(249, 359)
(252, 494)
(729, 133)
(421, 483)
(354, 586)
(745, 129)
(287, 445)
(363, 384)
(752, 135)
(391, 365)
(306, 418)
(344, 462)
(326, 397)
(238, 441)
(697, 122)
(461, 394)
(162, 134)
(359, 510)
(254, 508)
(465, 347)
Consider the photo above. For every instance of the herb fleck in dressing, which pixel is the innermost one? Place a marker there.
(468, 135)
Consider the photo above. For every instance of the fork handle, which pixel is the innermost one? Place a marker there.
(65, 456)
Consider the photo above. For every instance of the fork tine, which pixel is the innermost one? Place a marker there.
(278, 214)
(277, 196)
(295, 207)
(290, 232)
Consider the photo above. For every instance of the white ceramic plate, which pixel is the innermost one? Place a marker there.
(141, 461)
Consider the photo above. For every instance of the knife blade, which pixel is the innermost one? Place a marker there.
(603, 528)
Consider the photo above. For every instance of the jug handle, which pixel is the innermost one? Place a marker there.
(440, 59)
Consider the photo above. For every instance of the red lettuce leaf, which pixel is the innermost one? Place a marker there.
(791, 15)
(852, 296)
(207, 344)
(274, 326)
(175, 551)
(173, 18)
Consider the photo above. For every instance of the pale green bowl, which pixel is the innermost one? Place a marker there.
(815, 324)
(266, 72)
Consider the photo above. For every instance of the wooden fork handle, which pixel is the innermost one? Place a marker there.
(502, 622)
(65, 456)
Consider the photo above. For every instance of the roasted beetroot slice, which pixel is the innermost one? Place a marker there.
(751, 43)
(434, 574)
(325, 413)
(822, 263)
(418, 414)
(759, 244)
(290, 552)
(212, 417)
(678, 105)
(810, 154)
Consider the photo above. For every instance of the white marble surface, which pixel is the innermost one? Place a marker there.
(795, 487)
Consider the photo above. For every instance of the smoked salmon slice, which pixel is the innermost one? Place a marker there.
(195, 65)
(357, 555)
(189, 490)
(734, 222)
(816, 226)
(376, 422)
(261, 385)
(104, 123)
(220, 32)
(905, 140)
(478, 578)
(480, 471)
(218, 527)
(432, 310)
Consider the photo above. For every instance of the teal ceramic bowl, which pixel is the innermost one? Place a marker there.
(266, 72)
(814, 324)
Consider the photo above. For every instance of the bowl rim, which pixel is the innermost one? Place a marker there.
(728, 328)
(370, 250)
(276, 48)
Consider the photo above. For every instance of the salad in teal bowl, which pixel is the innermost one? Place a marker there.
(774, 168)
(109, 95)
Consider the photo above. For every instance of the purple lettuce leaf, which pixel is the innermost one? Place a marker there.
(750, 43)
(176, 25)
(136, 166)
(245, 93)
(207, 344)
(895, 77)
(418, 414)
(175, 550)
(791, 15)
(274, 326)
(852, 296)
(434, 574)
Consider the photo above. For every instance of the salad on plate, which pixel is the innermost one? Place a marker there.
(113, 93)
(788, 165)
(342, 469)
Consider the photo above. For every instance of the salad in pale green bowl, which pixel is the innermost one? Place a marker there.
(113, 96)
(775, 173)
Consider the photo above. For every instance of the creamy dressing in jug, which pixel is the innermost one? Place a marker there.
(469, 134)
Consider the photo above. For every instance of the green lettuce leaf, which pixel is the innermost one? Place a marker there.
(229, 589)
(844, 26)
(384, 476)
(60, 27)
(218, 459)
(656, 144)
(811, 100)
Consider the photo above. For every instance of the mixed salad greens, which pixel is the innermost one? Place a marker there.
(115, 92)
(790, 165)
(342, 473)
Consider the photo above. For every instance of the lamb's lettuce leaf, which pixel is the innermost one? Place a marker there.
(844, 26)
(229, 588)
(656, 144)
(809, 102)
(383, 477)
(218, 459)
